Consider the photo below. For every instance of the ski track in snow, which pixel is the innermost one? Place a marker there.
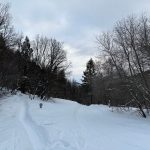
(35, 133)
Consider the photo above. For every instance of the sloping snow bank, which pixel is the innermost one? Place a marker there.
(67, 125)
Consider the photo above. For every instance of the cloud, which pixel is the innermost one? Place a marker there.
(45, 27)
(74, 22)
(78, 61)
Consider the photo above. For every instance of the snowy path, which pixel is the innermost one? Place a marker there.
(13, 136)
(36, 134)
(66, 125)
(69, 134)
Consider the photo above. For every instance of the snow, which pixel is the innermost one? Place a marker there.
(67, 125)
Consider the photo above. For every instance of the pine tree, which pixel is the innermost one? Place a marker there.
(26, 49)
(2, 43)
(88, 76)
(26, 52)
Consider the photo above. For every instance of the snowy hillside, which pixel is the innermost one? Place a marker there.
(66, 125)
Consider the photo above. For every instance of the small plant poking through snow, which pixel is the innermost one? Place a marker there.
(41, 105)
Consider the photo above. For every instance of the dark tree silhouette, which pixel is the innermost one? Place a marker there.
(88, 76)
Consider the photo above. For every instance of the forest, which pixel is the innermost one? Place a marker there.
(119, 76)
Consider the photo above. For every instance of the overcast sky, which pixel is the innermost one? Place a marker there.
(74, 22)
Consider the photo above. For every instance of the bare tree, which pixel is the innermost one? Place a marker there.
(127, 48)
(49, 53)
(6, 29)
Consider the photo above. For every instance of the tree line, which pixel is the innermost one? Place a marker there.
(122, 70)
(37, 67)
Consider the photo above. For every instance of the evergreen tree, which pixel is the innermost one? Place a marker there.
(26, 52)
(26, 49)
(2, 43)
(88, 76)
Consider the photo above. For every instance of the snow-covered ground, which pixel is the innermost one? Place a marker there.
(66, 125)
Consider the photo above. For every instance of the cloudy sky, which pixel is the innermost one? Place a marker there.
(74, 22)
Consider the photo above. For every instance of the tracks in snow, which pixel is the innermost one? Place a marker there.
(40, 140)
(37, 135)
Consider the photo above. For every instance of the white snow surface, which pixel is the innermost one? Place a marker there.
(67, 125)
